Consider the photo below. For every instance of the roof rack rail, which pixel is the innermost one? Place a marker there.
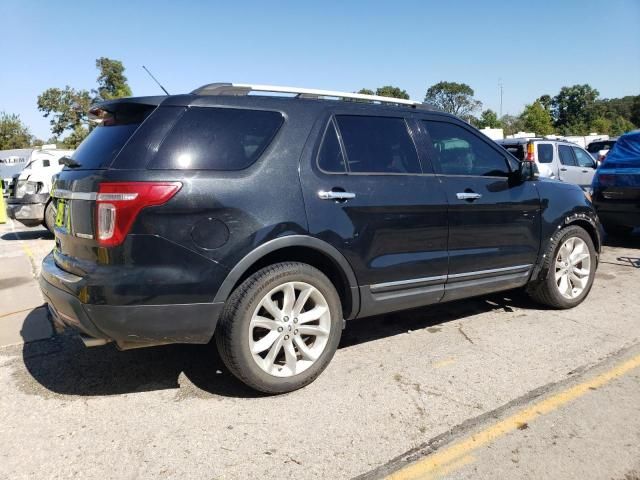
(246, 88)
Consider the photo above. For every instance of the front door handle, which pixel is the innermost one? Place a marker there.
(563, 169)
(334, 195)
(468, 196)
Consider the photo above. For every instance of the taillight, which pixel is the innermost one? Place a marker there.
(118, 205)
(530, 157)
(606, 180)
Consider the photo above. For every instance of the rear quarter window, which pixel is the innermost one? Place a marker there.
(98, 150)
(217, 139)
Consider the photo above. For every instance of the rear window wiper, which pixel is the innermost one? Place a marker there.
(69, 162)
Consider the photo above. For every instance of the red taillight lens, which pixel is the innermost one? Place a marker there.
(530, 157)
(118, 204)
(606, 180)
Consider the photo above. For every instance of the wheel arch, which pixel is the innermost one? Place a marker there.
(301, 248)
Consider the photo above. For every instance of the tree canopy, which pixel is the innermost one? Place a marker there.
(13, 133)
(536, 118)
(68, 108)
(488, 119)
(452, 97)
(386, 91)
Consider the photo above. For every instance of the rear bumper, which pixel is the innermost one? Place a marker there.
(625, 214)
(125, 324)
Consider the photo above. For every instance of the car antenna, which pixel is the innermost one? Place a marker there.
(155, 79)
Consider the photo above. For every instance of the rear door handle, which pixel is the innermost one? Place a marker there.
(468, 196)
(333, 195)
(563, 169)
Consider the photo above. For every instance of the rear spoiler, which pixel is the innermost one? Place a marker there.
(123, 110)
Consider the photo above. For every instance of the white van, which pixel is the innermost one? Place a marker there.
(29, 201)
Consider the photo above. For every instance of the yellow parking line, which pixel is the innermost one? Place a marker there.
(455, 456)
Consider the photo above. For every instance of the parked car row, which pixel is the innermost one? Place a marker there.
(28, 199)
(266, 221)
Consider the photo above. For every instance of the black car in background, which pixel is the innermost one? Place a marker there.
(266, 221)
(616, 186)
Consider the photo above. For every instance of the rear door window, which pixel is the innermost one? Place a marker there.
(459, 152)
(217, 139)
(330, 157)
(566, 156)
(545, 153)
(378, 145)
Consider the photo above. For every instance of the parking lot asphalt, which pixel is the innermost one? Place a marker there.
(492, 387)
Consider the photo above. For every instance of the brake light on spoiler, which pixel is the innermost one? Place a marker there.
(118, 205)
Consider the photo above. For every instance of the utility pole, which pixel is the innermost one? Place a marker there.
(500, 88)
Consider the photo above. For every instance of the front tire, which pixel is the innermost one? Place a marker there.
(280, 328)
(50, 216)
(568, 271)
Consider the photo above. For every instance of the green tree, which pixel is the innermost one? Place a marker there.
(488, 119)
(573, 108)
(393, 92)
(111, 82)
(511, 124)
(452, 97)
(601, 125)
(13, 133)
(68, 108)
(537, 119)
(365, 91)
(635, 111)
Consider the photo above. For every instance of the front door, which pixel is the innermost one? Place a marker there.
(494, 221)
(368, 194)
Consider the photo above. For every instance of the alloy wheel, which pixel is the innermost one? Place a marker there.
(289, 329)
(573, 267)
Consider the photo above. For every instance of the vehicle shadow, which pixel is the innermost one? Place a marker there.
(63, 365)
(36, 234)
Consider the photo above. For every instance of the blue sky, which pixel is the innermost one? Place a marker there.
(533, 47)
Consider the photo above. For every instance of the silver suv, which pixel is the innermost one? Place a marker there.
(557, 159)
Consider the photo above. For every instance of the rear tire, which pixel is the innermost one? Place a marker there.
(568, 271)
(50, 217)
(280, 328)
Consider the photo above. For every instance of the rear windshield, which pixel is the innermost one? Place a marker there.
(102, 145)
(516, 150)
(597, 146)
(217, 139)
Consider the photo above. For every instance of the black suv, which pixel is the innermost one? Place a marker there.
(269, 220)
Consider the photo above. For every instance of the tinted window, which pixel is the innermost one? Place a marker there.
(102, 145)
(217, 139)
(583, 158)
(459, 152)
(597, 146)
(566, 157)
(330, 157)
(515, 150)
(545, 153)
(378, 145)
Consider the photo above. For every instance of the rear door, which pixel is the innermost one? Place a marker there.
(570, 172)
(494, 222)
(368, 194)
(587, 166)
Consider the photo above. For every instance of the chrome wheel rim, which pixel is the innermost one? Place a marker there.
(289, 329)
(573, 267)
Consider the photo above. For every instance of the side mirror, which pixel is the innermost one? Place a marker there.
(526, 171)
